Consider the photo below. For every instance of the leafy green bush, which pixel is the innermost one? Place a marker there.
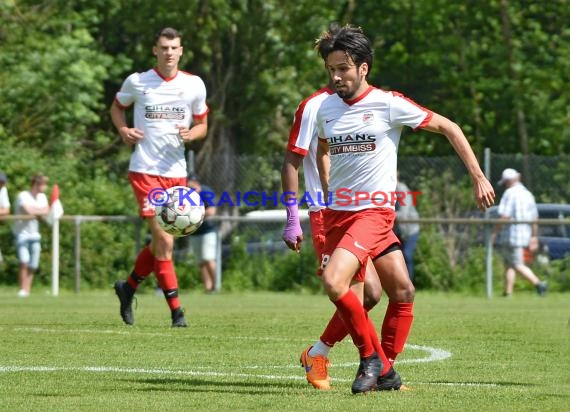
(270, 271)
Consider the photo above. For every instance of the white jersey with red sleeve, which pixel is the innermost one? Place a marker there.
(363, 136)
(303, 140)
(160, 105)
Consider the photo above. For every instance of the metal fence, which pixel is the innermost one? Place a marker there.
(272, 244)
(446, 205)
(443, 181)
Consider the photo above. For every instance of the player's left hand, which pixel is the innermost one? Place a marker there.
(533, 245)
(484, 193)
(185, 133)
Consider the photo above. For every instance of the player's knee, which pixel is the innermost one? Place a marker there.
(408, 293)
(371, 298)
(333, 288)
(404, 292)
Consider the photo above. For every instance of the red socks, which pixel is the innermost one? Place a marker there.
(335, 330)
(166, 276)
(356, 321)
(396, 328)
(144, 265)
(386, 365)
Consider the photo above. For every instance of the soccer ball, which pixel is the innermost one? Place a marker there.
(179, 211)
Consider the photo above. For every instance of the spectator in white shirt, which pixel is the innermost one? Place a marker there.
(26, 231)
(4, 201)
(517, 204)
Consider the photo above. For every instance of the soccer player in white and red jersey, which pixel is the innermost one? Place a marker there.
(169, 110)
(359, 133)
(302, 149)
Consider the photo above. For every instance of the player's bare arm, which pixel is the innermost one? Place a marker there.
(197, 131)
(130, 135)
(290, 173)
(482, 188)
(290, 183)
(324, 165)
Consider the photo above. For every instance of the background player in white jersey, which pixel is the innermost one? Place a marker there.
(302, 148)
(359, 132)
(169, 110)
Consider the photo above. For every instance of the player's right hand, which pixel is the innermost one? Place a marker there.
(131, 136)
(293, 237)
(293, 234)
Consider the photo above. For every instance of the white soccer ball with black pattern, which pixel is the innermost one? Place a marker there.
(179, 211)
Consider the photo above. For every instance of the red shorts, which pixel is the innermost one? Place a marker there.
(143, 184)
(364, 233)
(318, 233)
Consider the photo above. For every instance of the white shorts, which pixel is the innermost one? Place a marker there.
(204, 246)
(29, 253)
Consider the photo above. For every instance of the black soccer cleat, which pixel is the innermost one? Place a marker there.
(389, 382)
(178, 319)
(367, 376)
(125, 294)
(541, 288)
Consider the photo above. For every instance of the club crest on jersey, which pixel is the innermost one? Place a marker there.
(367, 117)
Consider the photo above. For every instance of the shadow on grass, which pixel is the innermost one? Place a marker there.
(521, 384)
(207, 385)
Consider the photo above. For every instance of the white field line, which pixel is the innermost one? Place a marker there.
(434, 355)
(141, 371)
(143, 333)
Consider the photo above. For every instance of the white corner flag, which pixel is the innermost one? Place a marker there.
(55, 213)
(56, 208)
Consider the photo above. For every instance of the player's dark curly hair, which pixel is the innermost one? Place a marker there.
(349, 39)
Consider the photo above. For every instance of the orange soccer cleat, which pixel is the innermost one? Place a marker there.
(316, 369)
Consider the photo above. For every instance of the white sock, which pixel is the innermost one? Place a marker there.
(320, 348)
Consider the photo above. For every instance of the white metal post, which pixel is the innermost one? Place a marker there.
(218, 285)
(77, 253)
(488, 243)
(55, 257)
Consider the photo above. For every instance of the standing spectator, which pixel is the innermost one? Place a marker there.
(517, 203)
(359, 133)
(4, 201)
(169, 111)
(204, 241)
(408, 233)
(26, 231)
(4, 198)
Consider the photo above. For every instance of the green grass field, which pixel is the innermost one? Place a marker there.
(241, 352)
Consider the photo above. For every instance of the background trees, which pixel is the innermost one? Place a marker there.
(499, 68)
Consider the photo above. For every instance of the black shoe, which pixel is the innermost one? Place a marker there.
(367, 375)
(178, 320)
(541, 288)
(125, 294)
(389, 382)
